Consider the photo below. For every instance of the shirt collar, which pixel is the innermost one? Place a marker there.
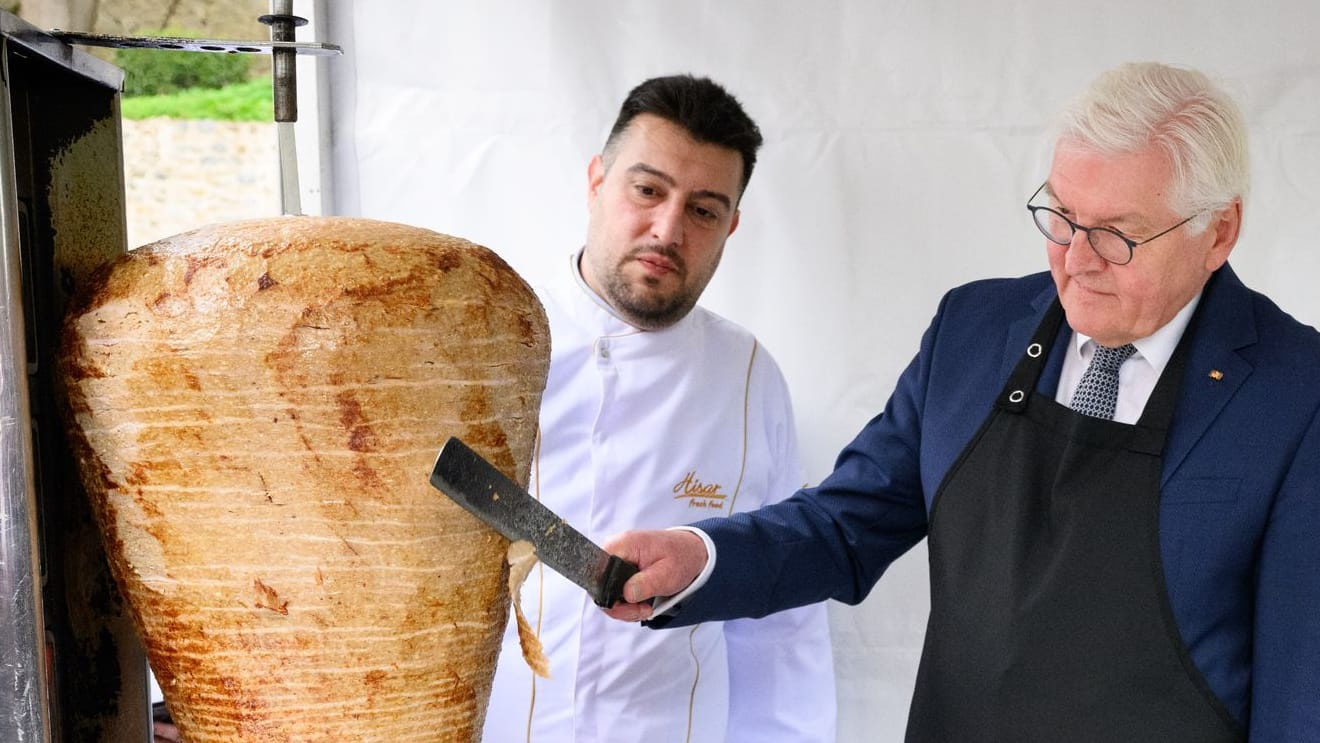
(591, 309)
(598, 303)
(575, 267)
(1156, 348)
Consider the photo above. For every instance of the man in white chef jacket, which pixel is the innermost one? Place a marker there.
(658, 412)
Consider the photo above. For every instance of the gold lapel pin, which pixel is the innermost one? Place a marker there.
(1216, 375)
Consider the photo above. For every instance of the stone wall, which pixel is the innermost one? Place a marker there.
(182, 174)
(216, 19)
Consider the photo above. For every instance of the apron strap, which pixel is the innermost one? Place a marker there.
(1159, 409)
(1022, 382)
(1151, 429)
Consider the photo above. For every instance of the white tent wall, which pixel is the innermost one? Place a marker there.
(902, 140)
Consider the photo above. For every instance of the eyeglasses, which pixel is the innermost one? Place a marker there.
(1107, 243)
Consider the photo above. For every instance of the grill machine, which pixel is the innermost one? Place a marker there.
(71, 667)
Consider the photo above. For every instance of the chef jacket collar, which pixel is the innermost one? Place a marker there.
(575, 267)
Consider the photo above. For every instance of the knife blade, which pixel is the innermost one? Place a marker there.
(485, 492)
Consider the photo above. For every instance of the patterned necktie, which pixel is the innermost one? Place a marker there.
(1097, 393)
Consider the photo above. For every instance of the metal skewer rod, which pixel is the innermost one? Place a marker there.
(284, 78)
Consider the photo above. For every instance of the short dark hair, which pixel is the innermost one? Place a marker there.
(708, 112)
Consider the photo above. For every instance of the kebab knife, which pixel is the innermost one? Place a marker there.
(476, 485)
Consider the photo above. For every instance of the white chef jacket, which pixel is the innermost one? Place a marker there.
(644, 430)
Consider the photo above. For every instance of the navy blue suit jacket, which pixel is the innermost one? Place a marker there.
(1240, 493)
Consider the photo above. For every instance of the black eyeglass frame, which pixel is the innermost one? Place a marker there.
(1131, 244)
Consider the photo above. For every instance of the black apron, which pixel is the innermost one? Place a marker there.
(1049, 617)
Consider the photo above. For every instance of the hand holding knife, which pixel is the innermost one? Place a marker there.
(488, 494)
(673, 556)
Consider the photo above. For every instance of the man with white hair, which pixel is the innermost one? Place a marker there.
(1116, 465)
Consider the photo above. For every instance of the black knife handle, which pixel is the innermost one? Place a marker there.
(617, 572)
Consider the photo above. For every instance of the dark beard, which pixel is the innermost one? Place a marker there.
(645, 310)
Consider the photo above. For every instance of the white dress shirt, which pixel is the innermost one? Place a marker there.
(1138, 375)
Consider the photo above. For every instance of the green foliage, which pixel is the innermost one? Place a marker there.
(248, 101)
(159, 71)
